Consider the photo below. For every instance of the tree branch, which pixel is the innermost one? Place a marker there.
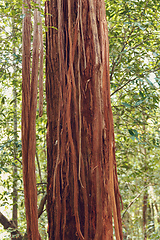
(130, 204)
(39, 170)
(117, 61)
(41, 205)
(9, 224)
(130, 80)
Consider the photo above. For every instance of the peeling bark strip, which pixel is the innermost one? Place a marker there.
(29, 107)
(41, 63)
(82, 190)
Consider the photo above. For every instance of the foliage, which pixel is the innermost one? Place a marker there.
(135, 79)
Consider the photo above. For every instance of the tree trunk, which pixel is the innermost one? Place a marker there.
(29, 108)
(82, 191)
(15, 192)
(145, 198)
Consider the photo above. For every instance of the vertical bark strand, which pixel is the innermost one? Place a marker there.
(107, 105)
(97, 123)
(26, 36)
(82, 179)
(15, 171)
(32, 132)
(29, 107)
(41, 63)
(15, 193)
(52, 97)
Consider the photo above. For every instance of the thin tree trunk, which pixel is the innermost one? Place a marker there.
(145, 198)
(29, 108)
(15, 192)
(82, 190)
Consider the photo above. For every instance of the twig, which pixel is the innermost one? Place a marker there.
(130, 204)
(41, 205)
(130, 80)
(39, 170)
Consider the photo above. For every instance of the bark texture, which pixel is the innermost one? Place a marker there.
(82, 191)
(29, 108)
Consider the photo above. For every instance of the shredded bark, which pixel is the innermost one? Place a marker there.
(29, 108)
(40, 63)
(82, 190)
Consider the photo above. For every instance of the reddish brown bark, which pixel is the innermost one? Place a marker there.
(40, 65)
(29, 107)
(82, 190)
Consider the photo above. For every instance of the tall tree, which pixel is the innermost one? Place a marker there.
(15, 170)
(29, 108)
(82, 190)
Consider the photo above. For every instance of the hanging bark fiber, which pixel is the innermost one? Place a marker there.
(29, 108)
(82, 191)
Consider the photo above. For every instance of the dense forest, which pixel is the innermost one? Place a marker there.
(134, 58)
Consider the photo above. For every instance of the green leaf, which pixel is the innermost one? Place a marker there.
(3, 100)
(5, 169)
(126, 104)
(54, 27)
(149, 81)
(133, 132)
(138, 103)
